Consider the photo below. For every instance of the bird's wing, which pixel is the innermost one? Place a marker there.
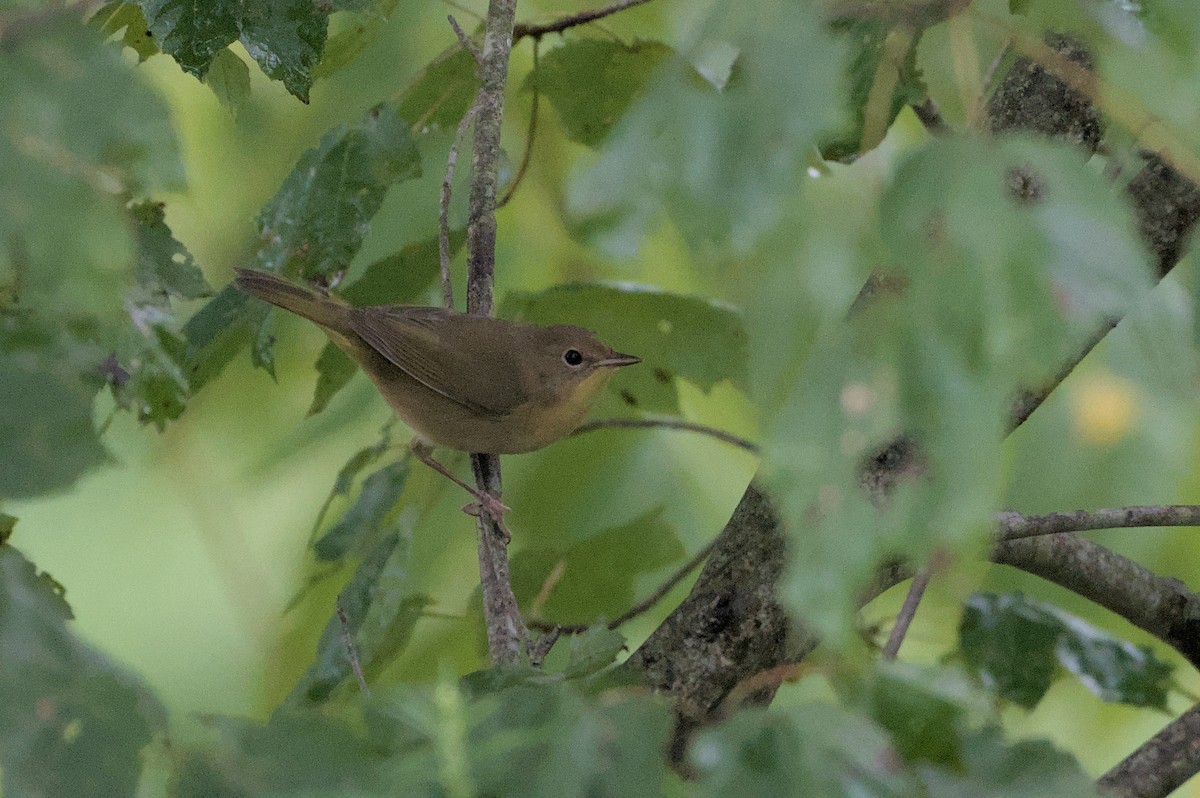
(463, 358)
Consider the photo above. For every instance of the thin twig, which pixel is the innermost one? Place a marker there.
(667, 423)
(642, 606)
(444, 210)
(571, 20)
(931, 117)
(533, 120)
(1014, 526)
(916, 590)
(351, 650)
(467, 44)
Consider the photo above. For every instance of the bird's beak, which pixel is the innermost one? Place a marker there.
(617, 359)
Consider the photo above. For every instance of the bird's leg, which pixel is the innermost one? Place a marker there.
(484, 502)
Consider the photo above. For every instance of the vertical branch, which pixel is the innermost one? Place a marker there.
(505, 628)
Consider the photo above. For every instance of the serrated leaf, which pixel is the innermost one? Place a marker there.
(71, 722)
(592, 82)
(379, 494)
(218, 331)
(1016, 646)
(593, 650)
(164, 265)
(317, 220)
(676, 336)
(285, 37)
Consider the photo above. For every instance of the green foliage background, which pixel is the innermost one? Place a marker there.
(723, 258)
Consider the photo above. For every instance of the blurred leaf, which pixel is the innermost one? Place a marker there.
(697, 339)
(551, 741)
(1034, 249)
(47, 440)
(299, 751)
(594, 650)
(592, 82)
(1015, 645)
(814, 750)
(345, 46)
(7, 524)
(381, 611)
(229, 79)
(156, 389)
(882, 55)
(379, 494)
(81, 134)
(442, 92)
(285, 37)
(924, 709)
(317, 220)
(602, 572)
(993, 769)
(717, 162)
(71, 722)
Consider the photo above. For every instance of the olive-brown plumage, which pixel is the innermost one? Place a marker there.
(472, 383)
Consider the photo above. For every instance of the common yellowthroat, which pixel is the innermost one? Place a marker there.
(472, 383)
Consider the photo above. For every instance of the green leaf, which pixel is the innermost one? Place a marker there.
(7, 524)
(334, 370)
(592, 82)
(602, 573)
(380, 492)
(118, 15)
(71, 722)
(717, 162)
(285, 37)
(346, 45)
(164, 265)
(882, 55)
(924, 709)
(993, 769)
(218, 331)
(696, 339)
(381, 611)
(1016, 645)
(47, 440)
(229, 79)
(813, 750)
(594, 650)
(551, 741)
(316, 222)
(297, 752)
(442, 93)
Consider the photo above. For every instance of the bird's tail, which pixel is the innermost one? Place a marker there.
(303, 301)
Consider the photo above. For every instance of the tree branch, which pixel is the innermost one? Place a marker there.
(1159, 765)
(666, 423)
(572, 20)
(506, 630)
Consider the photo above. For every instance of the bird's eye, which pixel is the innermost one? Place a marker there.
(572, 357)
